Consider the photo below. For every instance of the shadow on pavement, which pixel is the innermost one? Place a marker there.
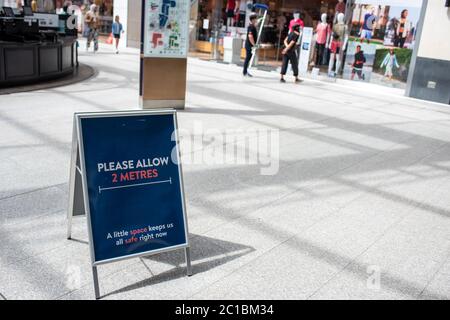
(206, 254)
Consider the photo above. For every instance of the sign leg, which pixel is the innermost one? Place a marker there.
(72, 179)
(69, 227)
(187, 252)
(96, 285)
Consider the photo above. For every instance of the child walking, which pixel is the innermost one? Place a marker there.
(117, 29)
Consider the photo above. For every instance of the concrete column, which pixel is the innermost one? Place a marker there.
(134, 23)
(429, 75)
(163, 69)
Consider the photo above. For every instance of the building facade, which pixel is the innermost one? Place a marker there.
(405, 43)
(415, 31)
(430, 76)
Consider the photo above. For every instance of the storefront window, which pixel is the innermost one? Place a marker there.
(105, 8)
(10, 3)
(41, 6)
(382, 38)
(47, 6)
(230, 17)
(376, 43)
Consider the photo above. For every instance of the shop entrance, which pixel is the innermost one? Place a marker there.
(215, 22)
(376, 43)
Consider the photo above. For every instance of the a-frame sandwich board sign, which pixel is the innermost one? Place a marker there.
(126, 177)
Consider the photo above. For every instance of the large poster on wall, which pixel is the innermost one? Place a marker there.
(385, 31)
(360, 61)
(166, 28)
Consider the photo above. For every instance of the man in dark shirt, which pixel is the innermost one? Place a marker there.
(250, 42)
(358, 64)
(290, 54)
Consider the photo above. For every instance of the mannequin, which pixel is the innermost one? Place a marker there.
(49, 6)
(296, 20)
(337, 45)
(323, 32)
(34, 5)
(241, 6)
(340, 8)
(230, 10)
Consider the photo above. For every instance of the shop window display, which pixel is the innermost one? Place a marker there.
(105, 9)
(10, 3)
(323, 34)
(56, 6)
(204, 21)
(337, 45)
(386, 34)
(216, 15)
(44, 6)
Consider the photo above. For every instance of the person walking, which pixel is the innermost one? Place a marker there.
(93, 21)
(250, 42)
(117, 30)
(290, 54)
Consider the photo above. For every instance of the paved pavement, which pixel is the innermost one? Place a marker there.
(359, 208)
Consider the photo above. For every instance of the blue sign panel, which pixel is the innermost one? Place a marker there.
(133, 182)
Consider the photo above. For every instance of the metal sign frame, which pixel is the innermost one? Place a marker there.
(261, 28)
(78, 171)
